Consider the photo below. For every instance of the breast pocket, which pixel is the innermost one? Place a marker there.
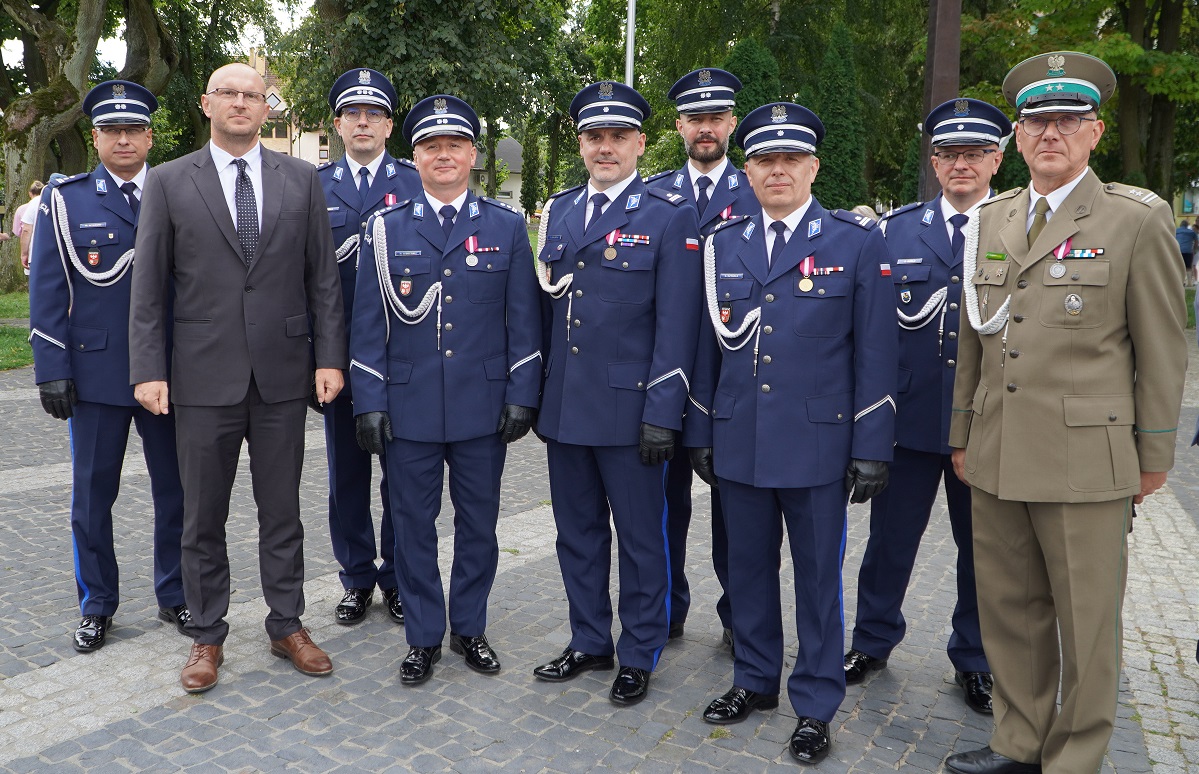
(824, 309)
(630, 276)
(733, 297)
(410, 274)
(1077, 298)
(990, 283)
(487, 279)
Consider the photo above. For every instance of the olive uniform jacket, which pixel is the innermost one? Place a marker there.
(1086, 391)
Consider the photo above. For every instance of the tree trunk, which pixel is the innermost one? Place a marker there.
(551, 164)
(489, 142)
(72, 152)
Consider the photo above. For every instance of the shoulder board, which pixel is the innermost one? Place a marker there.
(72, 179)
(901, 210)
(660, 175)
(326, 165)
(406, 163)
(1142, 195)
(861, 221)
(497, 203)
(568, 190)
(999, 197)
(730, 221)
(397, 206)
(669, 196)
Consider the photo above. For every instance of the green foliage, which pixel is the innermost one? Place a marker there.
(666, 153)
(841, 180)
(530, 169)
(758, 71)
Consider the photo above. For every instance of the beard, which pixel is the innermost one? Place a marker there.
(707, 157)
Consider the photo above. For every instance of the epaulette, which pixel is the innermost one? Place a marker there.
(568, 190)
(659, 176)
(901, 210)
(730, 221)
(1142, 195)
(861, 221)
(1001, 197)
(326, 165)
(497, 203)
(397, 206)
(72, 179)
(670, 196)
(407, 163)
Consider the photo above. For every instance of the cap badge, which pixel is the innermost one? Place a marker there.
(705, 77)
(118, 91)
(439, 105)
(778, 114)
(1057, 66)
(605, 90)
(961, 108)
(364, 76)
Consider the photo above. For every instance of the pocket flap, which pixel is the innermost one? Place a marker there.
(1087, 271)
(722, 405)
(836, 286)
(398, 371)
(496, 367)
(96, 237)
(630, 259)
(552, 251)
(84, 339)
(734, 290)
(490, 262)
(1095, 410)
(628, 376)
(297, 325)
(904, 274)
(905, 379)
(835, 408)
(408, 265)
(337, 219)
(980, 397)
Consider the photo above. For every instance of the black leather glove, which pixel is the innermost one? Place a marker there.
(865, 478)
(515, 422)
(373, 430)
(657, 444)
(57, 397)
(313, 403)
(701, 463)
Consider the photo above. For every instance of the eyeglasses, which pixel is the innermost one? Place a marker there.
(1034, 126)
(373, 115)
(137, 130)
(231, 95)
(949, 158)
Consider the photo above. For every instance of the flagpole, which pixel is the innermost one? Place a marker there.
(630, 32)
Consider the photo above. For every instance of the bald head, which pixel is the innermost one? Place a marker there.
(236, 104)
(238, 70)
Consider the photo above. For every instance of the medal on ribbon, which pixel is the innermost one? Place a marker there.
(805, 268)
(1058, 269)
(610, 250)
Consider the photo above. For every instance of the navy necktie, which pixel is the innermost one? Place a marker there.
(247, 212)
(958, 222)
(128, 189)
(597, 207)
(447, 219)
(780, 241)
(703, 182)
(363, 185)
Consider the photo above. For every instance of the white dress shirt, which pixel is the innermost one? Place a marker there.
(1055, 199)
(226, 169)
(613, 193)
(791, 222)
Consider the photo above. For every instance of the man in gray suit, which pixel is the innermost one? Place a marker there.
(247, 302)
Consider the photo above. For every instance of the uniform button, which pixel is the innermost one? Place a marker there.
(448, 272)
(1011, 387)
(624, 264)
(1015, 353)
(363, 224)
(766, 359)
(1018, 317)
(93, 241)
(767, 330)
(953, 335)
(489, 265)
(407, 271)
(574, 350)
(580, 264)
(955, 279)
(839, 416)
(765, 388)
(81, 346)
(1022, 284)
(249, 288)
(449, 353)
(950, 363)
(641, 385)
(820, 292)
(953, 307)
(769, 297)
(577, 323)
(449, 326)
(449, 299)
(904, 278)
(727, 296)
(1074, 276)
(1111, 417)
(578, 294)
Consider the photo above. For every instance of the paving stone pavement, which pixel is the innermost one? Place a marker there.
(121, 709)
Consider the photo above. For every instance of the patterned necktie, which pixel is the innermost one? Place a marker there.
(447, 219)
(702, 183)
(780, 240)
(958, 222)
(128, 189)
(597, 207)
(363, 185)
(247, 212)
(1038, 220)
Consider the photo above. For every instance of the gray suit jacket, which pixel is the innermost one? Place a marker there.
(233, 321)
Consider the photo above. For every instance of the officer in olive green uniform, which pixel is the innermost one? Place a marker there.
(1065, 406)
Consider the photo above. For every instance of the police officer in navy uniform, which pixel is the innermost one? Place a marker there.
(446, 368)
(926, 243)
(618, 264)
(718, 190)
(795, 384)
(365, 180)
(79, 315)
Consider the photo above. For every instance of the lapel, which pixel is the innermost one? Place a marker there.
(274, 183)
(799, 246)
(208, 183)
(1013, 233)
(936, 235)
(379, 186)
(615, 216)
(114, 200)
(575, 215)
(752, 251)
(722, 195)
(346, 189)
(464, 224)
(429, 226)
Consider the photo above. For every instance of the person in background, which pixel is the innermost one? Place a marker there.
(1185, 235)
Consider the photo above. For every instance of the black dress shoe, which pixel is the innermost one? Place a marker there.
(727, 639)
(394, 608)
(736, 705)
(417, 666)
(477, 651)
(90, 633)
(987, 761)
(857, 664)
(810, 741)
(630, 686)
(352, 607)
(676, 631)
(571, 664)
(977, 687)
(178, 615)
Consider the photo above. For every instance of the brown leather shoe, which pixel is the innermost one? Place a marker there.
(199, 674)
(304, 654)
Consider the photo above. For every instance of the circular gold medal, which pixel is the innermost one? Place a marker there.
(805, 284)
(610, 253)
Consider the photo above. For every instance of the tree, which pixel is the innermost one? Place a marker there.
(530, 167)
(841, 181)
(758, 71)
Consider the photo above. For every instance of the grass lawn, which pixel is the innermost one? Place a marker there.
(14, 305)
(14, 348)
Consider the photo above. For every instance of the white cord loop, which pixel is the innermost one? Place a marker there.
(969, 266)
(390, 299)
(925, 315)
(750, 323)
(66, 250)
